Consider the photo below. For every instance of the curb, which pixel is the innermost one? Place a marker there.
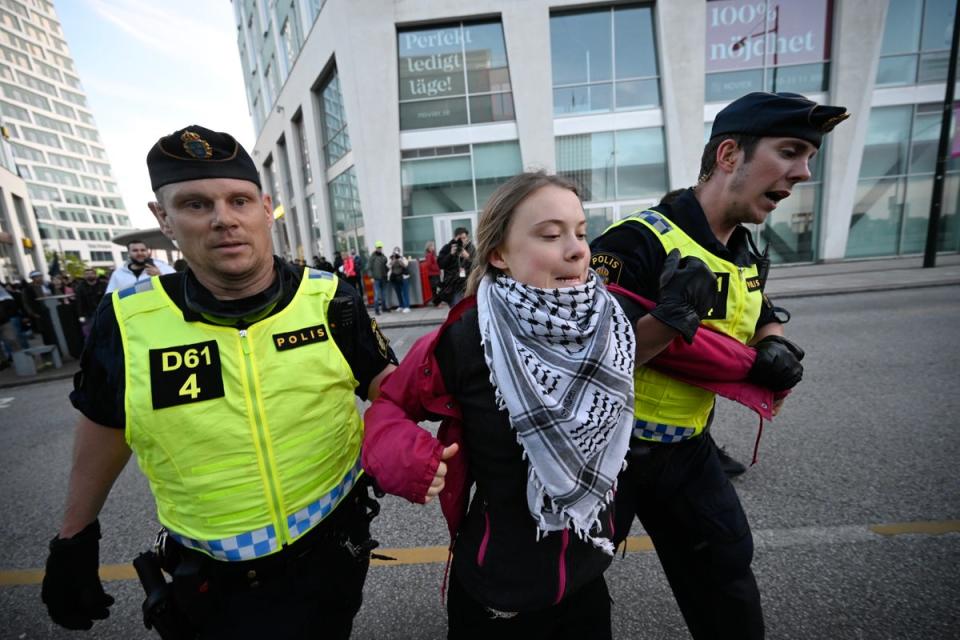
(50, 378)
(406, 324)
(868, 288)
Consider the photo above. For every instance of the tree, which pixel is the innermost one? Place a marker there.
(70, 263)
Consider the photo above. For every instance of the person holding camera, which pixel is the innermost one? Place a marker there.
(455, 258)
(138, 267)
(398, 278)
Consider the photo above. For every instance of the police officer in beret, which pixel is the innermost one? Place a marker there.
(233, 383)
(760, 148)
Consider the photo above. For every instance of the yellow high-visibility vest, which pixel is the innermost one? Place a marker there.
(248, 437)
(663, 405)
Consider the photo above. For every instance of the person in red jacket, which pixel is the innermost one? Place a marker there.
(432, 268)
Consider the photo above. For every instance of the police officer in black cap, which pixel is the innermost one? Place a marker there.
(234, 384)
(697, 260)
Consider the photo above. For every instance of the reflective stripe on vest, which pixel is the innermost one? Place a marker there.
(264, 541)
(672, 407)
(245, 435)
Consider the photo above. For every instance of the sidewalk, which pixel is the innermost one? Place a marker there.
(785, 282)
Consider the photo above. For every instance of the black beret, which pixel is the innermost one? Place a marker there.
(778, 115)
(195, 153)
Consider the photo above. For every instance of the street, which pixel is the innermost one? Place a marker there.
(854, 503)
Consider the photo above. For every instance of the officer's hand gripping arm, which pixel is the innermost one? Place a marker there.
(688, 290)
(777, 366)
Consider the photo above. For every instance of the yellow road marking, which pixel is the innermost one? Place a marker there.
(438, 554)
(933, 528)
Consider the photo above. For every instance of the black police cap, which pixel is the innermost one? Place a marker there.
(779, 115)
(196, 153)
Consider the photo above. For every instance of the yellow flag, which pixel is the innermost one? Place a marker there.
(278, 212)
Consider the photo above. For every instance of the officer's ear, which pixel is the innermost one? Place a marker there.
(161, 215)
(728, 152)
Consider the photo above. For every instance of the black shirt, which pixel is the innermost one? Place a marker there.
(514, 571)
(632, 256)
(98, 391)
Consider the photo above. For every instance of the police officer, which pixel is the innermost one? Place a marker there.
(760, 148)
(233, 383)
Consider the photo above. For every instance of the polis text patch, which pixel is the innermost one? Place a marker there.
(300, 337)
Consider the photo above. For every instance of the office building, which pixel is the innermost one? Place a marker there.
(54, 139)
(394, 120)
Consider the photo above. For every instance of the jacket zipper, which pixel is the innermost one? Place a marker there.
(562, 566)
(262, 442)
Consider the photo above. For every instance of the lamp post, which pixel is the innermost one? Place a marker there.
(936, 200)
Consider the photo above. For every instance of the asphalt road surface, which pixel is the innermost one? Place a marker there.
(855, 502)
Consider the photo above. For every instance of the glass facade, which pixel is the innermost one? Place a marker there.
(453, 75)
(449, 180)
(604, 60)
(348, 229)
(767, 46)
(892, 207)
(52, 134)
(336, 138)
(916, 42)
(615, 165)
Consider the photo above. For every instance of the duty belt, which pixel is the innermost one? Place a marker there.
(264, 541)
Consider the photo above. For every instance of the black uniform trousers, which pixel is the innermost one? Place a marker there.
(311, 589)
(583, 614)
(700, 532)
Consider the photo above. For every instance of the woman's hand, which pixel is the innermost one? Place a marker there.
(438, 477)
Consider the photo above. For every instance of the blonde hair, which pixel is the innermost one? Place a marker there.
(497, 213)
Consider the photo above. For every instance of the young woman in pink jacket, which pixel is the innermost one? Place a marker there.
(532, 376)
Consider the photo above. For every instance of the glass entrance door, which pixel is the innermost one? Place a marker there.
(443, 226)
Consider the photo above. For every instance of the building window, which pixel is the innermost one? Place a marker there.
(615, 165)
(346, 214)
(336, 138)
(314, 213)
(454, 75)
(767, 46)
(604, 60)
(101, 256)
(444, 180)
(896, 184)
(916, 42)
(305, 171)
(13, 111)
(290, 34)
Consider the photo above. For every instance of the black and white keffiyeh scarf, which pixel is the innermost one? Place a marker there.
(561, 364)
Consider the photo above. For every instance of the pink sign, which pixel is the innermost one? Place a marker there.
(955, 147)
(744, 35)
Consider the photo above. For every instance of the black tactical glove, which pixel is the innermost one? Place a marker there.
(688, 290)
(71, 586)
(777, 366)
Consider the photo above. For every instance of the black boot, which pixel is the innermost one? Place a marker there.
(731, 467)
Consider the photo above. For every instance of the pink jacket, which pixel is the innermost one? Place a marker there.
(403, 457)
